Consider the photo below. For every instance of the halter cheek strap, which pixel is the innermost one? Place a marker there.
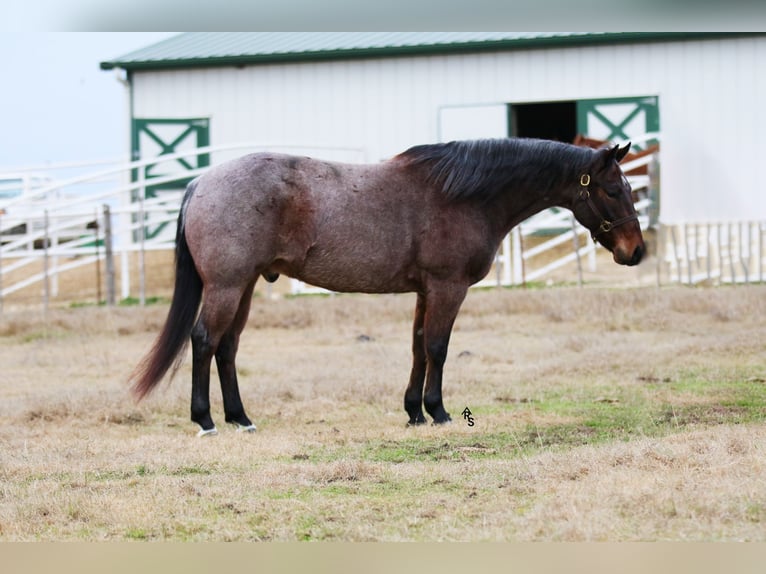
(606, 225)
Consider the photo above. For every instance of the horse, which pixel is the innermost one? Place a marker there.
(428, 220)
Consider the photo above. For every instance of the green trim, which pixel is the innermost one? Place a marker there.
(540, 42)
(647, 104)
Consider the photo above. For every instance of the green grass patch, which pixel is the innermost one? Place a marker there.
(190, 471)
(713, 398)
(84, 304)
(133, 301)
(136, 534)
(43, 335)
(142, 471)
(654, 409)
(126, 302)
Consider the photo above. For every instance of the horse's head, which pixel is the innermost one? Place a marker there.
(603, 203)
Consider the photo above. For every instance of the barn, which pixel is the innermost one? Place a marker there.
(367, 96)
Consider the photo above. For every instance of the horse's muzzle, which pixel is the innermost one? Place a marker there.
(629, 258)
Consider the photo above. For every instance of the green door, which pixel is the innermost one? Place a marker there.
(161, 136)
(618, 118)
(156, 137)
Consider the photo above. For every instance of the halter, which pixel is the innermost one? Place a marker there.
(605, 226)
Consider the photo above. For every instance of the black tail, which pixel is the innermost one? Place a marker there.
(172, 340)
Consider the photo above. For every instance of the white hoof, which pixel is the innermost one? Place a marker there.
(248, 428)
(210, 432)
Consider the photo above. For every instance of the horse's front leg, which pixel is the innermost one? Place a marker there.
(413, 397)
(442, 305)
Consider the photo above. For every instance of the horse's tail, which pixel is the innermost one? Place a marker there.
(168, 349)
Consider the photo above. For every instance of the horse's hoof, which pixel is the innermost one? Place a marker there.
(419, 421)
(245, 428)
(209, 432)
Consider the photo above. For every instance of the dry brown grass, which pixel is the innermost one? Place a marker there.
(600, 415)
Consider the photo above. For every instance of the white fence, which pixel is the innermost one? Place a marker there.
(55, 229)
(712, 253)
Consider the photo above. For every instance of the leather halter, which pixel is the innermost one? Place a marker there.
(606, 225)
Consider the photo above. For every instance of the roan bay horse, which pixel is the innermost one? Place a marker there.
(429, 221)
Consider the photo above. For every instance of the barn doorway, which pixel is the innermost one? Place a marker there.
(609, 119)
(544, 120)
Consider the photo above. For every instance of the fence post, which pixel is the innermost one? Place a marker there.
(506, 258)
(517, 255)
(576, 242)
(522, 260)
(592, 257)
(708, 263)
(675, 253)
(744, 249)
(142, 240)
(722, 247)
(760, 255)
(659, 251)
(98, 257)
(46, 278)
(53, 242)
(731, 254)
(689, 254)
(110, 290)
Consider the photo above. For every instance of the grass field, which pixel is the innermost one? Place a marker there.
(632, 414)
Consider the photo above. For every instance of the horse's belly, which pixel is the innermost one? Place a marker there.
(368, 277)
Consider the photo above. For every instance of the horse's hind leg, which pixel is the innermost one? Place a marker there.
(219, 308)
(227, 371)
(202, 354)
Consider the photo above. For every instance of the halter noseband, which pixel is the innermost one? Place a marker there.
(605, 226)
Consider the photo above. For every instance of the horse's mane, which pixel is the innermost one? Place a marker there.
(482, 169)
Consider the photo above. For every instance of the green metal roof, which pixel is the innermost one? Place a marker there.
(202, 49)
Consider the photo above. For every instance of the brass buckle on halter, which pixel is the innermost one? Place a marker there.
(584, 183)
(605, 226)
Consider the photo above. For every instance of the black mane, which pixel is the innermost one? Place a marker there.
(482, 169)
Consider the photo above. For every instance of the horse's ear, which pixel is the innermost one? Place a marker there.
(621, 152)
(616, 153)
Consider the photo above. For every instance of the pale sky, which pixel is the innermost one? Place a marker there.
(57, 104)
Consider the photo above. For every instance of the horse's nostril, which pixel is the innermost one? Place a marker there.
(638, 254)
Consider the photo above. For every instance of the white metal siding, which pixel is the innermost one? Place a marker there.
(710, 92)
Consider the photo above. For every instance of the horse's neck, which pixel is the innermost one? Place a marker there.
(525, 199)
